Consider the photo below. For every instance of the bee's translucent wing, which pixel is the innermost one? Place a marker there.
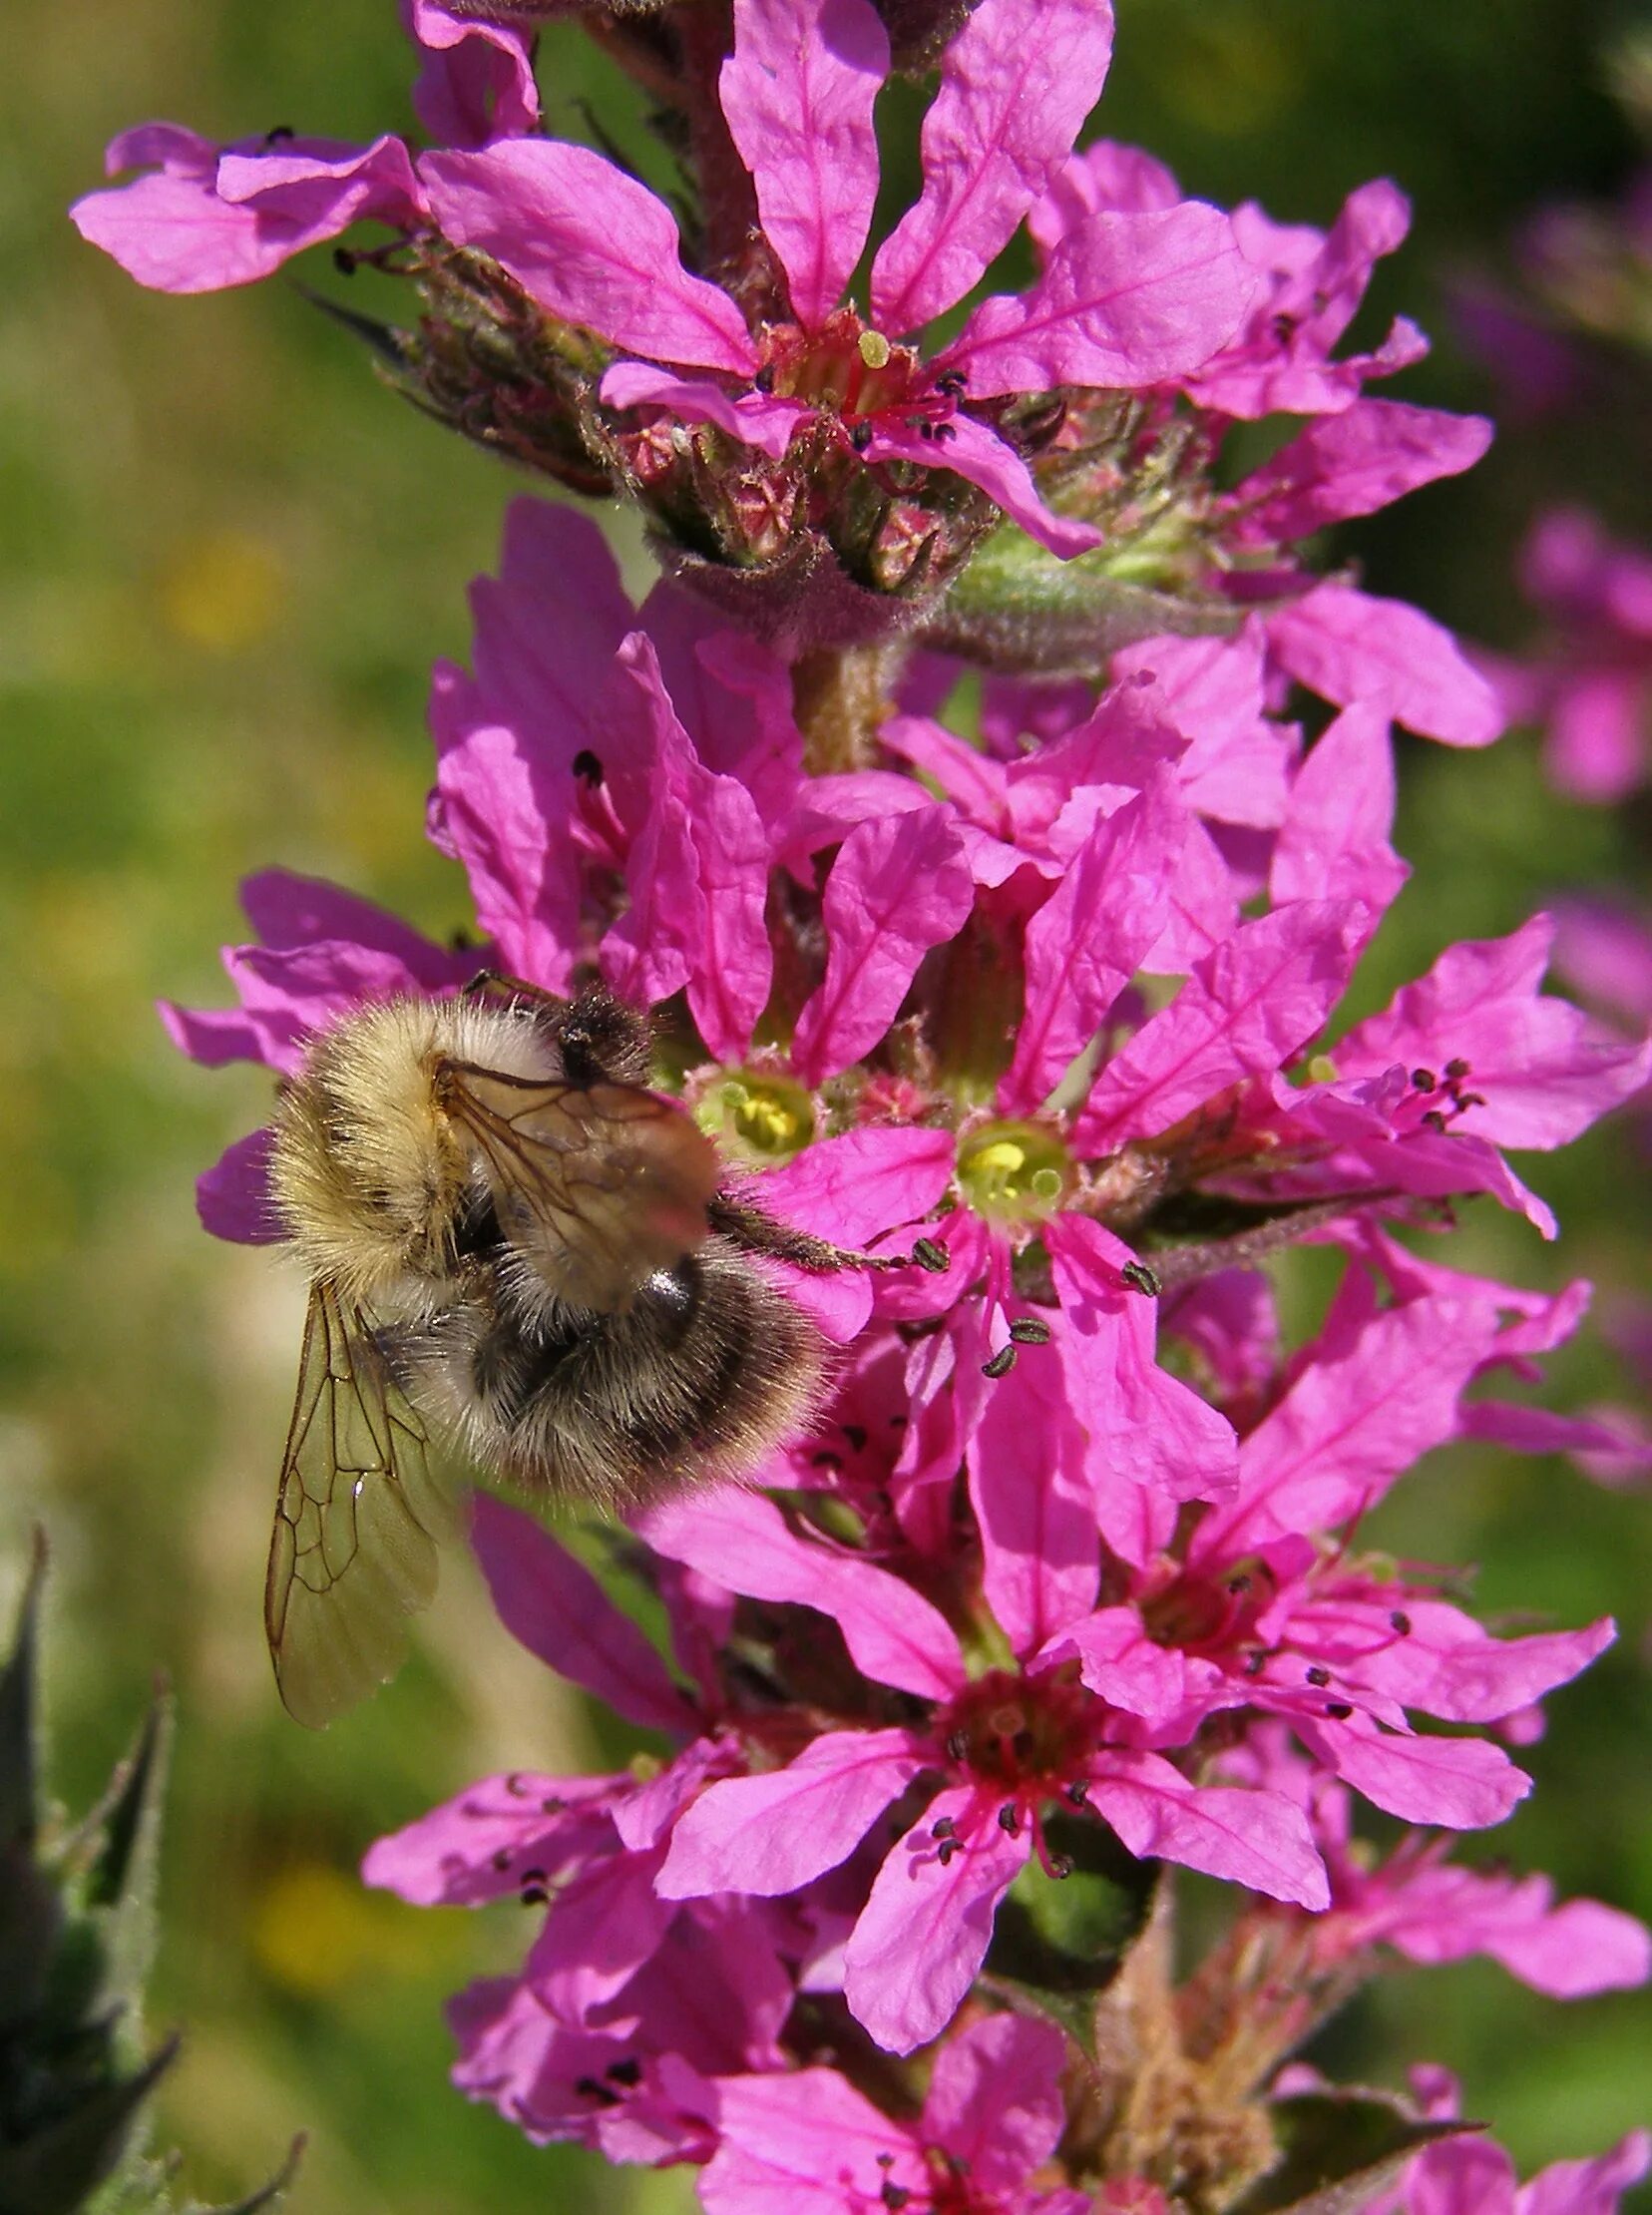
(597, 1185)
(357, 1522)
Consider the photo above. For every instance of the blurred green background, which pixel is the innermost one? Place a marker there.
(227, 558)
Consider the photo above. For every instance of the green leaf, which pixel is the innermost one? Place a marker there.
(1063, 1940)
(1337, 2152)
(124, 1871)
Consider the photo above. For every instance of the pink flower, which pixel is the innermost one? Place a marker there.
(810, 2144)
(1589, 681)
(1126, 300)
(1474, 2176)
(998, 1750)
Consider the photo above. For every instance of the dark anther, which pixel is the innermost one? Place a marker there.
(1008, 1820)
(1425, 1079)
(764, 377)
(1077, 1791)
(860, 438)
(1318, 1675)
(1030, 1330)
(1284, 330)
(1239, 1585)
(885, 2160)
(1060, 1865)
(958, 1745)
(1466, 1101)
(534, 1895)
(1000, 1364)
(916, 423)
(627, 2072)
(1399, 1622)
(894, 2195)
(554, 1805)
(344, 261)
(1140, 1278)
(515, 1786)
(1338, 1711)
(940, 432)
(930, 1256)
(587, 766)
(945, 1828)
(1256, 1663)
(1457, 1069)
(502, 1859)
(945, 1850)
(1434, 1118)
(855, 1433)
(279, 136)
(589, 2088)
(826, 1459)
(952, 384)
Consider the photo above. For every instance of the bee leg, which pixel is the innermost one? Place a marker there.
(601, 1039)
(513, 987)
(758, 1233)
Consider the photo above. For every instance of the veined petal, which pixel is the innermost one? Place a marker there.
(589, 243)
(804, 2144)
(899, 886)
(1015, 85)
(1037, 1529)
(924, 1928)
(974, 452)
(1353, 464)
(995, 2099)
(1462, 1784)
(1125, 301)
(740, 1540)
(798, 92)
(1334, 837)
(1255, 1837)
(767, 1835)
(1350, 645)
(756, 419)
(559, 1611)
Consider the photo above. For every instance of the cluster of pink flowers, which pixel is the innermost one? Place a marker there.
(1038, 997)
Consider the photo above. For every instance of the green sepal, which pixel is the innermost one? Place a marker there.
(1337, 2152)
(19, 1746)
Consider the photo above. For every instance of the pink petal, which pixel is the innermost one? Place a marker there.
(1588, 2187)
(740, 1540)
(974, 452)
(697, 873)
(499, 808)
(771, 1834)
(995, 2099)
(591, 245)
(549, 626)
(604, 1925)
(1153, 1442)
(1105, 175)
(804, 2144)
(449, 1856)
(1248, 1006)
(477, 81)
(1353, 464)
(1040, 1567)
(1463, 2176)
(559, 1611)
(1350, 645)
(1015, 85)
(1087, 940)
(798, 94)
(1212, 691)
(1124, 301)
(1255, 1838)
(924, 1928)
(852, 1188)
(1461, 1784)
(1123, 1666)
(233, 1197)
(288, 911)
(1348, 1427)
(1597, 734)
(1567, 1952)
(1334, 837)
(899, 886)
(1471, 1677)
(1543, 1071)
(755, 419)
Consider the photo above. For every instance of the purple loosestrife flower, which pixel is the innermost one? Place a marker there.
(1474, 2176)
(1131, 299)
(1588, 683)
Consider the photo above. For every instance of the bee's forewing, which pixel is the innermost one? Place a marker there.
(598, 1185)
(359, 1519)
